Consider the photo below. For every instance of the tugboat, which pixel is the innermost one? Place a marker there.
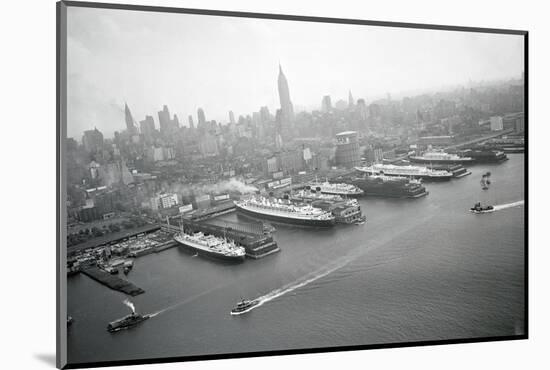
(244, 306)
(478, 208)
(128, 321)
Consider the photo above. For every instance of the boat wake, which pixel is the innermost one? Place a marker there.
(305, 280)
(509, 205)
(331, 267)
(185, 301)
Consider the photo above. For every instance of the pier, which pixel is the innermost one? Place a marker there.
(112, 281)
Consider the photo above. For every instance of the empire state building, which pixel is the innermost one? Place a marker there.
(287, 111)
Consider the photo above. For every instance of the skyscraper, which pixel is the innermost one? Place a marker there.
(326, 104)
(167, 126)
(92, 140)
(287, 110)
(147, 127)
(201, 116)
(191, 124)
(130, 123)
(164, 120)
(231, 117)
(350, 100)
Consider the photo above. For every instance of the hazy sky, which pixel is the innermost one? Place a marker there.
(221, 63)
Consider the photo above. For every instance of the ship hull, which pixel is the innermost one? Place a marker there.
(236, 311)
(415, 176)
(211, 254)
(381, 189)
(286, 220)
(440, 161)
(134, 323)
(354, 195)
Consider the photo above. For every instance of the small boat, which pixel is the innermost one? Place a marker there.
(244, 306)
(478, 208)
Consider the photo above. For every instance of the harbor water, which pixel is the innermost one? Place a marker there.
(417, 270)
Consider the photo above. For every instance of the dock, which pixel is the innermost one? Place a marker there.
(112, 281)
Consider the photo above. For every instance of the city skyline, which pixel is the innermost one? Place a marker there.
(162, 71)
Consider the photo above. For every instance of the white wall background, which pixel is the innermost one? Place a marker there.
(27, 144)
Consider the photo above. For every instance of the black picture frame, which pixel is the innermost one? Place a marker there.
(61, 110)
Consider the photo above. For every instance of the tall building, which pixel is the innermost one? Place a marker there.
(92, 140)
(287, 110)
(191, 124)
(347, 149)
(201, 116)
(265, 116)
(167, 125)
(147, 127)
(231, 117)
(130, 123)
(362, 110)
(351, 102)
(326, 104)
(164, 120)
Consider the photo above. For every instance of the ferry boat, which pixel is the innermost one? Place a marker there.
(410, 171)
(284, 211)
(389, 186)
(440, 157)
(336, 189)
(211, 246)
(244, 306)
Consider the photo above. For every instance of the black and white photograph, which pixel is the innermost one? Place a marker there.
(240, 184)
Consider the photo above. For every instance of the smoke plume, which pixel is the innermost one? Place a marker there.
(130, 305)
(232, 185)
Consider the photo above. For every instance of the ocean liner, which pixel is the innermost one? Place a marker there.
(336, 188)
(486, 156)
(389, 186)
(310, 195)
(440, 157)
(406, 171)
(284, 211)
(212, 246)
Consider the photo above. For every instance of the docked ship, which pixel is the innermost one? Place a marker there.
(344, 210)
(309, 195)
(284, 211)
(244, 306)
(389, 186)
(440, 157)
(336, 189)
(415, 172)
(211, 246)
(486, 156)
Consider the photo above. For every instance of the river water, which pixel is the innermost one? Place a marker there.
(419, 269)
